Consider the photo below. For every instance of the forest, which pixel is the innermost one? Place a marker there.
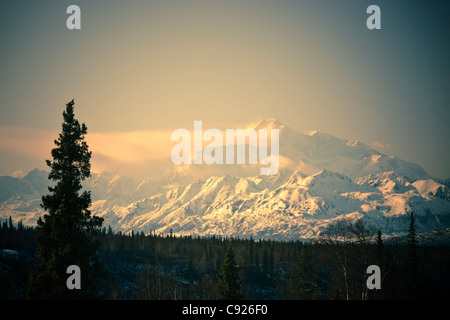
(165, 267)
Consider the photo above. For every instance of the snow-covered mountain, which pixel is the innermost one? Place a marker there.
(298, 207)
(313, 151)
(326, 178)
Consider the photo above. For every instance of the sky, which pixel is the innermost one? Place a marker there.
(138, 70)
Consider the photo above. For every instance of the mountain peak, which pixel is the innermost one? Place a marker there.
(267, 123)
(324, 173)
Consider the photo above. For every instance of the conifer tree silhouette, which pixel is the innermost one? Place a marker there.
(230, 282)
(65, 233)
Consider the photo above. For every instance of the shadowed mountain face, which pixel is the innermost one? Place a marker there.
(322, 178)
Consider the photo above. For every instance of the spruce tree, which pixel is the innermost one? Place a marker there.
(65, 233)
(379, 250)
(229, 285)
(411, 260)
(389, 274)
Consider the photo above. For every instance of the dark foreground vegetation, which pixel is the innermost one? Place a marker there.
(166, 267)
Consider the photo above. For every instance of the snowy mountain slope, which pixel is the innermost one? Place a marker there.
(317, 150)
(430, 187)
(298, 208)
(20, 198)
(328, 179)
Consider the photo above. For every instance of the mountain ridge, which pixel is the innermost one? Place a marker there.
(344, 179)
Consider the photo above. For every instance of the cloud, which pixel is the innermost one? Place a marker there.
(128, 152)
(110, 150)
(379, 145)
(131, 146)
(18, 174)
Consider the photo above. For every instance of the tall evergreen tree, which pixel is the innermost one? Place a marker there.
(379, 250)
(389, 276)
(65, 233)
(10, 223)
(250, 251)
(229, 285)
(411, 260)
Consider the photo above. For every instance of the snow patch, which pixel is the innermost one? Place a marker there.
(310, 133)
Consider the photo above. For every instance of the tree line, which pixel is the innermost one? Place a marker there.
(166, 267)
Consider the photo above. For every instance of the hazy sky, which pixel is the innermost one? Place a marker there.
(140, 69)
